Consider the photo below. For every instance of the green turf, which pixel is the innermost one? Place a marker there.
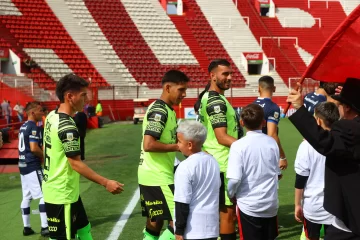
(113, 151)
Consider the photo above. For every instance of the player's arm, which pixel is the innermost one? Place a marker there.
(217, 116)
(69, 137)
(34, 138)
(153, 130)
(36, 150)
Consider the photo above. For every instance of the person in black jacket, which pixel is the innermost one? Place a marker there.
(80, 119)
(341, 146)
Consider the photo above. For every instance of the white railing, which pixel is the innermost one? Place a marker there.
(301, 21)
(230, 20)
(279, 39)
(327, 2)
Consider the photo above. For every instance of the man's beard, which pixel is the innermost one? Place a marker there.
(220, 85)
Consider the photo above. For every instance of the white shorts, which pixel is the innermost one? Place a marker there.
(31, 185)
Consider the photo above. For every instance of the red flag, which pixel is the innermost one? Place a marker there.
(339, 57)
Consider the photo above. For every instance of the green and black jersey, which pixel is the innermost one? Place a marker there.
(157, 168)
(215, 112)
(61, 140)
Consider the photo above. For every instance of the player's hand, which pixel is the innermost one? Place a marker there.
(299, 215)
(338, 90)
(179, 237)
(114, 187)
(283, 164)
(295, 97)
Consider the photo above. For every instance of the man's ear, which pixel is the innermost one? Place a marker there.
(242, 123)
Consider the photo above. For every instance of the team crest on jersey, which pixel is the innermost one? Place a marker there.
(70, 136)
(33, 133)
(157, 117)
(217, 109)
(276, 114)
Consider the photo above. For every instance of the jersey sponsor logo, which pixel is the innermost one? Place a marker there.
(154, 127)
(53, 219)
(52, 229)
(217, 109)
(21, 157)
(157, 117)
(33, 132)
(276, 114)
(153, 213)
(69, 136)
(22, 164)
(150, 203)
(71, 146)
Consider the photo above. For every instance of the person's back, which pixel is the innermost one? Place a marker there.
(271, 111)
(202, 170)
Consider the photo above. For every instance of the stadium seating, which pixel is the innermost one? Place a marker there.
(38, 28)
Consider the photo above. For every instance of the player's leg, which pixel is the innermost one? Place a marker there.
(25, 206)
(270, 228)
(81, 224)
(150, 199)
(58, 216)
(169, 210)
(35, 188)
(227, 213)
(312, 230)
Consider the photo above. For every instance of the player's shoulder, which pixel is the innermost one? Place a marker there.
(66, 122)
(215, 97)
(159, 106)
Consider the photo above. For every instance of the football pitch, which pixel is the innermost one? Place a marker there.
(113, 151)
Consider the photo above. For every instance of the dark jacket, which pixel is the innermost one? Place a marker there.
(341, 146)
(81, 123)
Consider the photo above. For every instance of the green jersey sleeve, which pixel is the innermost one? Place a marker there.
(156, 121)
(216, 109)
(69, 137)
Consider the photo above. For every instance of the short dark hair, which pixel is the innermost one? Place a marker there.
(329, 87)
(252, 115)
(266, 82)
(218, 62)
(175, 76)
(328, 112)
(30, 106)
(69, 82)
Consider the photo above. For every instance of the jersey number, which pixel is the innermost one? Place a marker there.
(21, 142)
(47, 158)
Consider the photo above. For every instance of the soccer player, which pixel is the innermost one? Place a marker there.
(271, 114)
(309, 185)
(252, 173)
(158, 150)
(63, 166)
(222, 124)
(31, 172)
(197, 185)
(322, 94)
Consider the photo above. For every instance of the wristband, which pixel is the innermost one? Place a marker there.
(282, 159)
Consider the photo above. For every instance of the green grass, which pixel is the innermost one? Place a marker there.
(113, 151)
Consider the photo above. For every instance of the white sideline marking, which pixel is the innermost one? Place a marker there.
(120, 224)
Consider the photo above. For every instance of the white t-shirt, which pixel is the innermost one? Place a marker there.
(254, 161)
(310, 163)
(197, 183)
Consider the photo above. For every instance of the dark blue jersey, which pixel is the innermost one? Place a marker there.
(271, 111)
(311, 100)
(28, 162)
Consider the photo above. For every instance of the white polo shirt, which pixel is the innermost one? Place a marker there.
(254, 161)
(197, 183)
(310, 163)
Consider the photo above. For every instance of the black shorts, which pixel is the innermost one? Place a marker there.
(65, 219)
(312, 230)
(333, 233)
(255, 228)
(157, 202)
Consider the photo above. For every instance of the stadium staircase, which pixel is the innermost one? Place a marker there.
(73, 14)
(38, 28)
(349, 5)
(236, 37)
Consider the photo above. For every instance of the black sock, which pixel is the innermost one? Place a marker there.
(231, 236)
(171, 229)
(155, 234)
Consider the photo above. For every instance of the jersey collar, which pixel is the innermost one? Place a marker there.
(165, 103)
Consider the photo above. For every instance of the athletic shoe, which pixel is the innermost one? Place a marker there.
(28, 231)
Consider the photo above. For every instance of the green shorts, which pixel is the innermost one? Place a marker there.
(157, 202)
(223, 197)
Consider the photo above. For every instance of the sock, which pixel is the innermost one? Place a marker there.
(230, 236)
(84, 233)
(25, 209)
(43, 217)
(167, 235)
(150, 235)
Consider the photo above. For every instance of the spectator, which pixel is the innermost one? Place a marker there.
(20, 111)
(98, 110)
(5, 107)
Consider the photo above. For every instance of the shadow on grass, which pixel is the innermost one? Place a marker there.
(290, 227)
(113, 218)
